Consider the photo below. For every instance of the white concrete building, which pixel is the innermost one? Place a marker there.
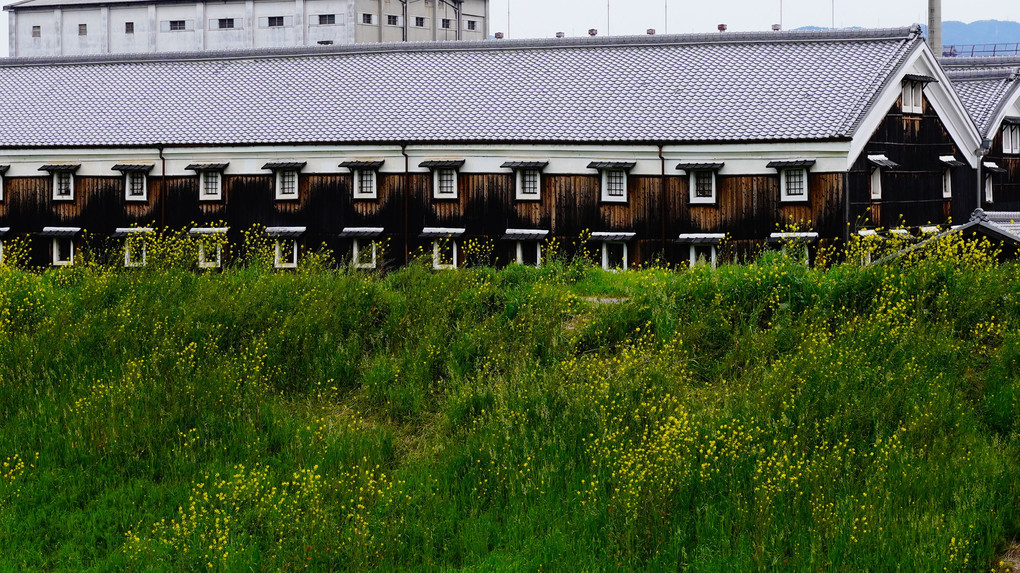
(49, 28)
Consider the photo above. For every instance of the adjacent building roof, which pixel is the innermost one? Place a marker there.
(771, 86)
(985, 91)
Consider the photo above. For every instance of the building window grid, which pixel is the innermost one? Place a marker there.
(212, 187)
(327, 19)
(135, 183)
(912, 97)
(83, 29)
(794, 184)
(530, 183)
(472, 25)
(704, 184)
(36, 31)
(286, 184)
(616, 183)
(274, 21)
(392, 20)
(419, 22)
(447, 182)
(63, 185)
(366, 185)
(367, 18)
(177, 25)
(225, 23)
(129, 27)
(447, 23)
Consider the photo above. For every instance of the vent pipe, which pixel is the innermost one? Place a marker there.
(935, 27)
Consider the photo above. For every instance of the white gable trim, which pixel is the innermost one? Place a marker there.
(940, 94)
(1011, 108)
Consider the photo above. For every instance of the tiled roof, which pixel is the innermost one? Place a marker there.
(984, 91)
(775, 86)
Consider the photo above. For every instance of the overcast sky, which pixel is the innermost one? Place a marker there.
(543, 18)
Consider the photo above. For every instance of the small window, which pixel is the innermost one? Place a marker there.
(365, 253)
(63, 186)
(135, 186)
(947, 184)
(135, 250)
(63, 251)
(876, 183)
(614, 185)
(529, 253)
(793, 184)
(327, 19)
(286, 184)
(365, 184)
(178, 25)
(912, 97)
(211, 183)
(392, 20)
(225, 23)
(83, 29)
(529, 184)
(444, 253)
(702, 184)
(703, 254)
(129, 27)
(472, 25)
(210, 253)
(614, 256)
(36, 31)
(286, 254)
(274, 21)
(989, 189)
(445, 180)
(1011, 139)
(368, 19)
(419, 22)
(447, 23)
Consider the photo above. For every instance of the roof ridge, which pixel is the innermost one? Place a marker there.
(979, 61)
(894, 67)
(797, 36)
(1007, 74)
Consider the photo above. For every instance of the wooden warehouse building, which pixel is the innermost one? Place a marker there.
(655, 146)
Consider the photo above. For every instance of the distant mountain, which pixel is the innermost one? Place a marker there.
(958, 33)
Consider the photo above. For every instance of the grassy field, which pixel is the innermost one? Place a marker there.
(760, 417)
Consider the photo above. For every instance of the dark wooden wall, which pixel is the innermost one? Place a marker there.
(911, 193)
(1006, 186)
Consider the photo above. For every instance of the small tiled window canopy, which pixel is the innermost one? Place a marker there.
(361, 232)
(701, 238)
(60, 232)
(366, 175)
(200, 167)
(61, 167)
(285, 252)
(135, 187)
(285, 232)
(912, 97)
(125, 232)
(792, 237)
(442, 232)
(63, 179)
(951, 161)
(133, 167)
(525, 235)
(880, 160)
(793, 178)
(614, 236)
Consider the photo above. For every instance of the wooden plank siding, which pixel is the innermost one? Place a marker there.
(1006, 186)
(911, 193)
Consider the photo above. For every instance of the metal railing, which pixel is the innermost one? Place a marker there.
(980, 50)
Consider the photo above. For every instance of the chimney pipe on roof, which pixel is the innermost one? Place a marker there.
(935, 27)
(722, 27)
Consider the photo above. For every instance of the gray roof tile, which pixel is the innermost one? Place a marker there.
(983, 90)
(720, 87)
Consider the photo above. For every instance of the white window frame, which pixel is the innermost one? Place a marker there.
(989, 188)
(437, 263)
(520, 194)
(372, 19)
(316, 20)
(522, 245)
(357, 247)
(436, 175)
(424, 22)
(692, 179)
(139, 234)
(605, 255)
(1011, 139)
(203, 262)
(57, 196)
(876, 183)
(167, 26)
(400, 20)
(203, 180)
(374, 192)
(37, 31)
(471, 25)
(606, 197)
(278, 253)
(694, 253)
(280, 174)
(912, 97)
(3, 185)
(83, 29)
(55, 246)
(446, 23)
(129, 28)
(236, 23)
(127, 186)
(784, 191)
(947, 183)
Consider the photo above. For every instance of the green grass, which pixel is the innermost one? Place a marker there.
(760, 417)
